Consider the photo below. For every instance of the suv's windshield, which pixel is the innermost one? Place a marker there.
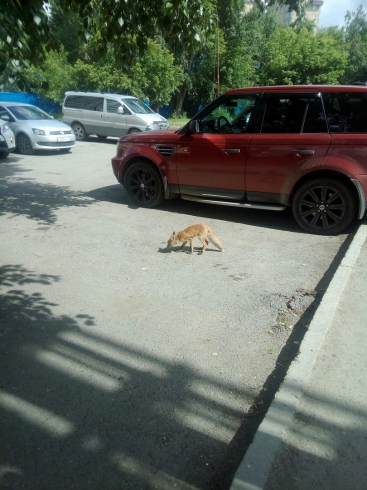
(138, 106)
(25, 113)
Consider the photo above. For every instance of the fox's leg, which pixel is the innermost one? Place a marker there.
(183, 244)
(205, 243)
(191, 240)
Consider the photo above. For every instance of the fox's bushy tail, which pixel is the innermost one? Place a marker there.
(214, 240)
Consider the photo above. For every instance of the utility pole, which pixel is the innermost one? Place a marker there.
(218, 56)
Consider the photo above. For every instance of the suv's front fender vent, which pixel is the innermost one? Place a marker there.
(165, 151)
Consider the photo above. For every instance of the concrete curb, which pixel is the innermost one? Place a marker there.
(254, 469)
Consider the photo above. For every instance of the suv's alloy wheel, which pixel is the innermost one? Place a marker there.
(324, 206)
(144, 185)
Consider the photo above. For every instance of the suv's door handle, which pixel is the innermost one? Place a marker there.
(303, 152)
(231, 150)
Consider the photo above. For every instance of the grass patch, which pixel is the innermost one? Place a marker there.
(178, 121)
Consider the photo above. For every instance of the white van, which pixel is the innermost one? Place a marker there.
(108, 115)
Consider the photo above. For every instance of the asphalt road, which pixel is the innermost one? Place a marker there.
(124, 365)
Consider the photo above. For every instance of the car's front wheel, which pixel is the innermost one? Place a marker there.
(144, 185)
(324, 206)
(24, 145)
(79, 131)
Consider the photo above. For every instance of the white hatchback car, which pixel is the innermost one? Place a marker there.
(7, 139)
(34, 129)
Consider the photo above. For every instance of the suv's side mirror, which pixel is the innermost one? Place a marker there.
(120, 110)
(194, 126)
(5, 117)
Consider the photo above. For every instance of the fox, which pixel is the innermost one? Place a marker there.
(202, 231)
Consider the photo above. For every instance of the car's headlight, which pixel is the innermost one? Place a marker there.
(40, 132)
(5, 127)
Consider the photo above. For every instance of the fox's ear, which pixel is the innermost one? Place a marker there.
(174, 233)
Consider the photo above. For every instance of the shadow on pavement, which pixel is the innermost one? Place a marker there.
(80, 411)
(33, 200)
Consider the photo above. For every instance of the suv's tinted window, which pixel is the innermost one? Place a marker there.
(294, 114)
(232, 116)
(315, 121)
(93, 103)
(74, 101)
(346, 112)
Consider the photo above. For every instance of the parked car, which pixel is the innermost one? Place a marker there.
(7, 139)
(108, 115)
(34, 129)
(303, 147)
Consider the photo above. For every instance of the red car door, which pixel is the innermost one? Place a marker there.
(293, 140)
(212, 161)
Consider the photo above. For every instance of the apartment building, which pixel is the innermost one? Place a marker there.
(287, 16)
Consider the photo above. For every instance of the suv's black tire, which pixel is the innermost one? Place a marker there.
(24, 145)
(324, 206)
(79, 131)
(144, 185)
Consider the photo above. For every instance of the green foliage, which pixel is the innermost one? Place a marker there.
(51, 79)
(114, 46)
(25, 34)
(155, 75)
(303, 58)
(18, 47)
(233, 47)
(188, 22)
(355, 33)
(67, 30)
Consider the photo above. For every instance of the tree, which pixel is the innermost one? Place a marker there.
(53, 77)
(237, 67)
(66, 28)
(199, 59)
(355, 32)
(304, 58)
(25, 26)
(18, 47)
(155, 76)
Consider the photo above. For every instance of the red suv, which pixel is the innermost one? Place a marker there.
(303, 147)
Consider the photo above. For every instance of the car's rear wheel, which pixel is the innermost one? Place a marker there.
(144, 185)
(324, 206)
(79, 131)
(24, 145)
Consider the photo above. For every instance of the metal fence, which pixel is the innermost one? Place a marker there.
(34, 99)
